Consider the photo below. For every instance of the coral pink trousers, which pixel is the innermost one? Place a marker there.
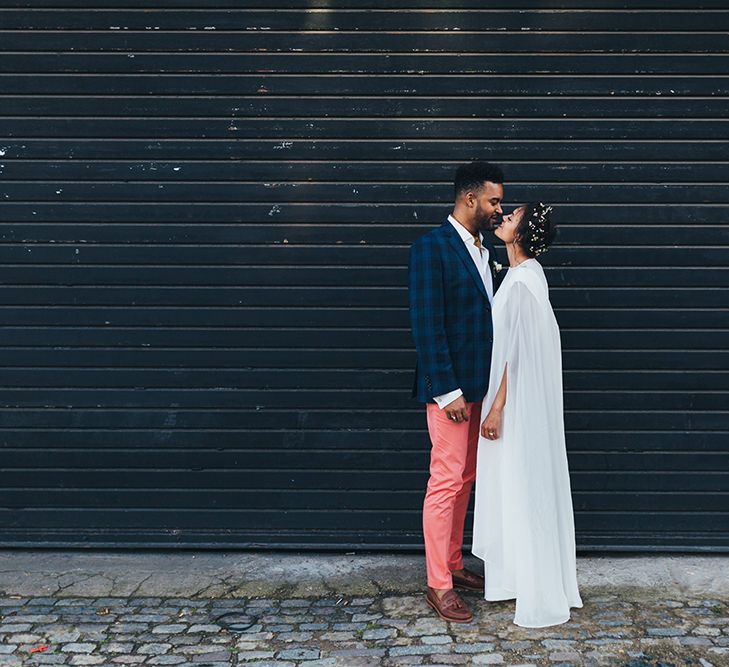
(452, 473)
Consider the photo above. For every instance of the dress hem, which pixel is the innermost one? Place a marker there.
(499, 594)
(543, 625)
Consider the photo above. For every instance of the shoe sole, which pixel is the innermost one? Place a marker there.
(468, 588)
(445, 618)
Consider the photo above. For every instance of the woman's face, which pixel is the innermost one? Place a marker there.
(506, 231)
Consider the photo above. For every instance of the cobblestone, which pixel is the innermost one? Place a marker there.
(299, 654)
(386, 631)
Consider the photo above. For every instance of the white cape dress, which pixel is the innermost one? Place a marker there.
(523, 520)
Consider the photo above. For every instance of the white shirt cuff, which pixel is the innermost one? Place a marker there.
(447, 399)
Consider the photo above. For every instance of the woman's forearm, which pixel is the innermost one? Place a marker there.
(500, 398)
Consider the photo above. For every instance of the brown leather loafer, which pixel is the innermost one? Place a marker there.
(450, 607)
(468, 580)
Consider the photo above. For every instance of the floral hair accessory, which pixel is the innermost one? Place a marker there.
(538, 229)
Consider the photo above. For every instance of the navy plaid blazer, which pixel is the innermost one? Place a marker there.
(450, 316)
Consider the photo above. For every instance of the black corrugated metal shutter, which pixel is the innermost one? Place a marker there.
(206, 210)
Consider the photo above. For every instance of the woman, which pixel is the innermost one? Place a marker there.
(523, 524)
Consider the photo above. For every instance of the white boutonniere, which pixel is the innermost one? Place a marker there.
(497, 267)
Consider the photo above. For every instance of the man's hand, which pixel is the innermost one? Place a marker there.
(457, 411)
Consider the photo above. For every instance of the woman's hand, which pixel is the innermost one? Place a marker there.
(491, 427)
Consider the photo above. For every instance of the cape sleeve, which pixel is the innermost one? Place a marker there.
(535, 426)
(521, 346)
(541, 500)
(529, 342)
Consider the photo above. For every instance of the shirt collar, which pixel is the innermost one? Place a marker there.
(463, 232)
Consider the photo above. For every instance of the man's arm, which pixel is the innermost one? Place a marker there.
(427, 308)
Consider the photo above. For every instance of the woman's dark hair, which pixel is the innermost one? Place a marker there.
(473, 175)
(535, 232)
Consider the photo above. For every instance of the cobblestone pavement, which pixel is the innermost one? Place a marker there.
(615, 628)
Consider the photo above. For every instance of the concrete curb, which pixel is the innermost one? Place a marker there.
(286, 575)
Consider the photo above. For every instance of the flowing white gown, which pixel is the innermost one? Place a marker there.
(523, 522)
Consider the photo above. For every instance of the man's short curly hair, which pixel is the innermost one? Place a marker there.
(473, 175)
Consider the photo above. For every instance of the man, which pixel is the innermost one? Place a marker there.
(452, 274)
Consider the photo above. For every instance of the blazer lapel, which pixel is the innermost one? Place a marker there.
(457, 244)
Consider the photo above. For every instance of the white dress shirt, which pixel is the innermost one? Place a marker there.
(480, 258)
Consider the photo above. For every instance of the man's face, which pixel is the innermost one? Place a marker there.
(487, 207)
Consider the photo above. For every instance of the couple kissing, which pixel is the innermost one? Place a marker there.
(489, 369)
